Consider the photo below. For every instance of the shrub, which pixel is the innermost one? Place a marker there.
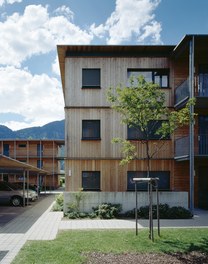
(165, 212)
(59, 203)
(178, 212)
(107, 210)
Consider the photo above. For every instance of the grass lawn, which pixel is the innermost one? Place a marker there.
(69, 245)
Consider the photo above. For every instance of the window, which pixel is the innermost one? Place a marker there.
(39, 150)
(90, 78)
(157, 76)
(134, 133)
(91, 180)
(22, 145)
(39, 164)
(90, 129)
(6, 149)
(163, 183)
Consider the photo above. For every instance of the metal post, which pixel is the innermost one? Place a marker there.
(27, 187)
(136, 210)
(150, 212)
(23, 202)
(158, 211)
(191, 125)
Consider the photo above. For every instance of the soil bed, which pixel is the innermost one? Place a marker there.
(147, 258)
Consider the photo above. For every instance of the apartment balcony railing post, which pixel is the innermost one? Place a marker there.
(191, 125)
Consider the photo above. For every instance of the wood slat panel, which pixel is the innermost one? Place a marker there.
(113, 72)
(113, 175)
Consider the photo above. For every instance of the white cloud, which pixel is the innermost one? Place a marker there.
(9, 2)
(153, 31)
(55, 67)
(65, 11)
(35, 32)
(38, 98)
(131, 18)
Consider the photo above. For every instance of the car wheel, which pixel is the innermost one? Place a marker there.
(16, 201)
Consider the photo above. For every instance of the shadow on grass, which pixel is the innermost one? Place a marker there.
(188, 252)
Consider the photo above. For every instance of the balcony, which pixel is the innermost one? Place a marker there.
(182, 93)
(200, 92)
(200, 147)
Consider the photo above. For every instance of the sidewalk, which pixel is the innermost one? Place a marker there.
(40, 223)
(36, 223)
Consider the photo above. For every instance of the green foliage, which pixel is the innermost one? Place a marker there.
(103, 211)
(76, 215)
(107, 210)
(59, 203)
(139, 105)
(178, 212)
(74, 206)
(165, 212)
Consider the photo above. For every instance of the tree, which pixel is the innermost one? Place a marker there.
(142, 107)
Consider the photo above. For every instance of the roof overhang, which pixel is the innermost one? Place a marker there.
(200, 43)
(11, 165)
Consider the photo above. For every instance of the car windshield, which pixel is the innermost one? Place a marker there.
(13, 186)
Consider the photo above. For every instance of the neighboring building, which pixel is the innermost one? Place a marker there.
(43, 154)
(92, 161)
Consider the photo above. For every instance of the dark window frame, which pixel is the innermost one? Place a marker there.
(141, 135)
(87, 74)
(162, 185)
(22, 145)
(155, 72)
(96, 125)
(90, 180)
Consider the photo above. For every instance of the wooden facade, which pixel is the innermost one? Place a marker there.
(90, 103)
(44, 154)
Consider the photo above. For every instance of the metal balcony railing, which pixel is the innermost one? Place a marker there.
(200, 146)
(203, 90)
(182, 92)
(182, 147)
(200, 89)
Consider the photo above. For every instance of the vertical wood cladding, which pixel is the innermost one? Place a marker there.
(91, 104)
(113, 73)
(111, 127)
(113, 175)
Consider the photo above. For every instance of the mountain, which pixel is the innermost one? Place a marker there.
(53, 130)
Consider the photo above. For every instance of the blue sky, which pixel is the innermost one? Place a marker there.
(30, 87)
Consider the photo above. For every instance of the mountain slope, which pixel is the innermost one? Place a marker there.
(53, 130)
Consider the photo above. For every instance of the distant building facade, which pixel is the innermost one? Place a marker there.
(44, 154)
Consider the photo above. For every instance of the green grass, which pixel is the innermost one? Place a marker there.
(69, 245)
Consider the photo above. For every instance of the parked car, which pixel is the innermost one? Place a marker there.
(11, 193)
(30, 186)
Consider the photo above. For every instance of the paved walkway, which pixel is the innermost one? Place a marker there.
(40, 223)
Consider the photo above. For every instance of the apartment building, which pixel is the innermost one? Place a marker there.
(44, 154)
(92, 161)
